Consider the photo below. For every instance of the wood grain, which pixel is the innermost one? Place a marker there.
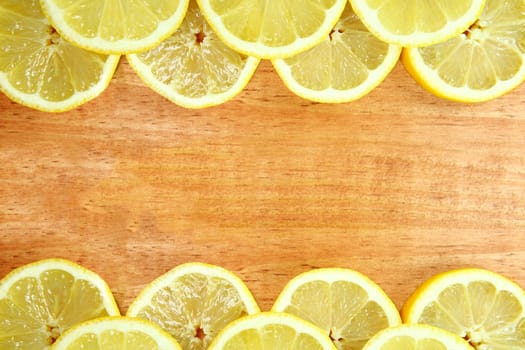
(398, 185)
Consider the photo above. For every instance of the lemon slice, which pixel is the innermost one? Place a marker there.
(41, 300)
(41, 70)
(115, 26)
(193, 68)
(348, 306)
(269, 330)
(414, 23)
(345, 66)
(272, 29)
(485, 62)
(193, 302)
(114, 333)
(480, 306)
(416, 337)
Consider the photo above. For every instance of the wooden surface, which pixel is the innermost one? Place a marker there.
(398, 185)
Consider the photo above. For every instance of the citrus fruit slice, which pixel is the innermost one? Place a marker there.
(345, 66)
(193, 302)
(271, 330)
(483, 63)
(416, 337)
(41, 70)
(113, 333)
(272, 29)
(115, 27)
(413, 23)
(483, 307)
(348, 306)
(193, 68)
(41, 300)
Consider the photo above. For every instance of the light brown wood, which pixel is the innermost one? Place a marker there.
(398, 185)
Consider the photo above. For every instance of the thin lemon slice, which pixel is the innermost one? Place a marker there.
(485, 62)
(345, 66)
(483, 307)
(115, 26)
(193, 68)
(271, 330)
(416, 337)
(414, 23)
(41, 300)
(348, 306)
(193, 302)
(41, 70)
(272, 29)
(115, 333)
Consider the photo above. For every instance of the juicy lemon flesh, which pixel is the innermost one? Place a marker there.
(114, 339)
(194, 308)
(480, 313)
(491, 52)
(409, 343)
(272, 23)
(115, 20)
(272, 336)
(36, 310)
(36, 61)
(343, 60)
(342, 309)
(406, 17)
(193, 62)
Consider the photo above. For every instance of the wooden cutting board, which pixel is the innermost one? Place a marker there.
(398, 185)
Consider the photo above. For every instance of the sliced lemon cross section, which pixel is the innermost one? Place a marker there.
(39, 69)
(194, 68)
(483, 63)
(115, 26)
(41, 300)
(416, 337)
(414, 23)
(116, 333)
(483, 307)
(345, 66)
(348, 306)
(269, 330)
(272, 29)
(193, 302)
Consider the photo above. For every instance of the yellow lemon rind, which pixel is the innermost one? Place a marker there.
(432, 82)
(147, 76)
(416, 39)
(331, 95)
(267, 52)
(117, 323)
(333, 274)
(206, 269)
(118, 47)
(34, 270)
(79, 98)
(268, 318)
(417, 332)
(430, 289)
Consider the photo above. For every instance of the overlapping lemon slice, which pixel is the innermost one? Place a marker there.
(193, 68)
(39, 69)
(414, 23)
(348, 306)
(483, 63)
(115, 26)
(484, 308)
(193, 302)
(41, 300)
(272, 29)
(346, 65)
